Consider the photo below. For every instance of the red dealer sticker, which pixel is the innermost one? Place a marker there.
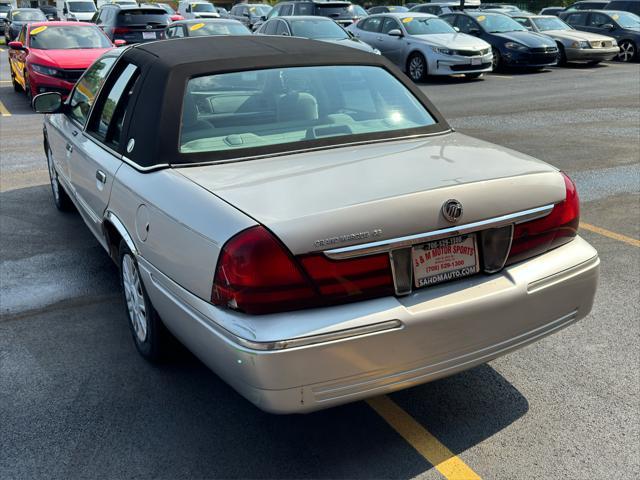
(445, 259)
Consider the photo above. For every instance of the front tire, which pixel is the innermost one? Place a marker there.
(562, 56)
(496, 62)
(417, 67)
(628, 51)
(60, 197)
(149, 334)
(27, 89)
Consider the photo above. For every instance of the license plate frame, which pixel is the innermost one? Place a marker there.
(476, 61)
(149, 35)
(450, 258)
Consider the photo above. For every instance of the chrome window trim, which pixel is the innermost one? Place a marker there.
(383, 246)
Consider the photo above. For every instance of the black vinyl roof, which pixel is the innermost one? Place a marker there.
(220, 51)
(166, 67)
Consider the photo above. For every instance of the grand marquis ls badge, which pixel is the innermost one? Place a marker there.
(452, 210)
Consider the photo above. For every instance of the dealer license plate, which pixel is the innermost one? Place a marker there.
(148, 35)
(476, 61)
(446, 259)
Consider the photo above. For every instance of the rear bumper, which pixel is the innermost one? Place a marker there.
(439, 331)
(589, 54)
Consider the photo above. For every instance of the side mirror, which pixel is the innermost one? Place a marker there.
(119, 42)
(16, 45)
(285, 34)
(474, 31)
(395, 33)
(456, 29)
(263, 18)
(49, 102)
(608, 26)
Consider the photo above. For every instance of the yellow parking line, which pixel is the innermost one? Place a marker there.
(3, 110)
(445, 461)
(610, 234)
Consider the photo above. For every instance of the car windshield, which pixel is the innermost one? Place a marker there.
(318, 29)
(5, 8)
(626, 19)
(202, 7)
(260, 10)
(28, 15)
(82, 7)
(498, 23)
(426, 26)
(217, 28)
(550, 23)
(396, 9)
(67, 37)
(242, 110)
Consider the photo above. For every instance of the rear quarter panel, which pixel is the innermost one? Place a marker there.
(187, 226)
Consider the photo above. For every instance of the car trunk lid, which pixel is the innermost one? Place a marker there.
(358, 194)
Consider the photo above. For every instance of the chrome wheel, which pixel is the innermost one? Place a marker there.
(627, 51)
(134, 297)
(53, 178)
(416, 68)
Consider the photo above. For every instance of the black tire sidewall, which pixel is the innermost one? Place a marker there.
(497, 60)
(150, 348)
(63, 202)
(424, 67)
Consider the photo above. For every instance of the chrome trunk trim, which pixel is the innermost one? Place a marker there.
(382, 246)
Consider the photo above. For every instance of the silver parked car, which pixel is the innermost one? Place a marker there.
(422, 44)
(573, 45)
(305, 221)
(316, 28)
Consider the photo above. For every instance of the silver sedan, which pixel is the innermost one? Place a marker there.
(573, 45)
(422, 44)
(304, 220)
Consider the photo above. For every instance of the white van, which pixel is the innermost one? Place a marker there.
(76, 10)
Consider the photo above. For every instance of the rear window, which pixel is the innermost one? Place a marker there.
(202, 7)
(244, 110)
(318, 29)
(142, 16)
(334, 11)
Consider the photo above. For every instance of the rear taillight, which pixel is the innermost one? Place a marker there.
(256, 274)
(121, 30)
(559, 227)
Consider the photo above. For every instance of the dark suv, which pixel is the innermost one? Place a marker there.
(343, 13)
(632, 6)
(250, 13)
(131, 23)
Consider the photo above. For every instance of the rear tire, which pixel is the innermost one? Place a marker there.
(149, 334)
(417, 67)
(60, 197)
(628, 51)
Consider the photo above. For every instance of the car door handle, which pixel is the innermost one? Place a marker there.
(74, 133)
(69, 148)
(101, 176)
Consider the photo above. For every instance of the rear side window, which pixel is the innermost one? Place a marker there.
(372, 24)
(85, 91)
(577, 19)
(108, 116)
(142, 17)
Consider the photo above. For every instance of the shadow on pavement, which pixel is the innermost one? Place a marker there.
(78, 401)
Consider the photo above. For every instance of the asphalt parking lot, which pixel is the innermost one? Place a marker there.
(77, 401)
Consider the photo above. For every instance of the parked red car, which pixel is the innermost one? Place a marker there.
(51, 56)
